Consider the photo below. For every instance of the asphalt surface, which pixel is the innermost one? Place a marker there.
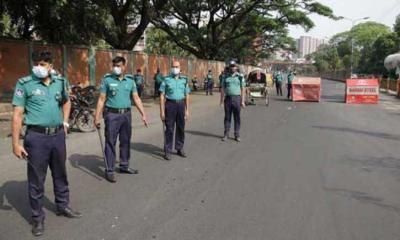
(302, 171)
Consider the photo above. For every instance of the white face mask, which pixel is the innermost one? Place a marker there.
(40, 72)
(117, 71)
(175, 71)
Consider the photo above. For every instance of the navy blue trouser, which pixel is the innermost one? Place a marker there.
(232, 107)
(289, 90)
(174, 116)
(139, 90)
(46, 151)
(278, 88)
(117, 125)
(209, 89)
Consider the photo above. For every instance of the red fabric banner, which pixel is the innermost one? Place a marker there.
(362, 91)
(306, 89)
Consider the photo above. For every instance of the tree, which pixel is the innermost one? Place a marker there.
(121, 23)
(158, 42)
(213, 29)
(383, 46)
(396, 27)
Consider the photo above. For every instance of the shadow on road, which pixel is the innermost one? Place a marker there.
(362, 132)
(370, 164)
(337, 98)
(90, 164)
(148, 149)
(203, 134)
(364, 198)
(16, 193)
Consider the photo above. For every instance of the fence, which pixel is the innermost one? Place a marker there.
(87, 65)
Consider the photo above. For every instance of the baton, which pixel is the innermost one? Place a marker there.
(102, 147)
(164, 128)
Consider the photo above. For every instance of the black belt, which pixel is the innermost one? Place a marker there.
(176, 101)
(232, 96)
(118, 110)
(45, 130)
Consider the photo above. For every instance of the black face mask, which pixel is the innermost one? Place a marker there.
(232, 69)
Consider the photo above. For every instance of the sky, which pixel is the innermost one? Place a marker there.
(382, 11)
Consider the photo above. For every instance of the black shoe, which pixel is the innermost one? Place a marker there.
(181, 153)
(237, 139)
(110, 177)
(37, 228)
(128, 171)
(167, 156)
(68, 212)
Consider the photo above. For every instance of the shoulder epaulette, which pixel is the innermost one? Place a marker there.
(107, 75)
(129, 76)
(59, 78)
(25, 79)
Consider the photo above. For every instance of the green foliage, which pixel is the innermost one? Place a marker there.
(228, 28)
(119, 23)
(372, 43)
(158, 42)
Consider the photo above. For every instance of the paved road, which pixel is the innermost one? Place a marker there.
(304, 171)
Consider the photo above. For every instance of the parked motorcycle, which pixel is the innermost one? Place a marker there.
(82, 103)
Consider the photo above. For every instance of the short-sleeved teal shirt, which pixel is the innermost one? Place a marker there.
(290, 78)
(175, 89)
(42, 103)
(278, 77)
(118, 92)
(159, 78)
(233, 84)
(138, 79)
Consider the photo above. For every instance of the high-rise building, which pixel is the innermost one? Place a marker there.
(307, 45)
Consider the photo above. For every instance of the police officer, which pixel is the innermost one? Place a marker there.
(158, 78)
(174, 109)
(221, 76)
(210, 83)
(115, 93)
(44, 100)
(290, 78)
(233, 98)
(278, 79)
(139, 82)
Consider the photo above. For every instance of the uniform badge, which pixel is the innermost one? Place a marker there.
(58, 96)
(113, 92)
(37, 92)
(19, 92)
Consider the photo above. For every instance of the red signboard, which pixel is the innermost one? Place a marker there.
(306, 89)
(362, 91)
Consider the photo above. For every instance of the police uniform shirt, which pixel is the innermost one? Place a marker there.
(290, 78)
(175, 89)
(233, 84)
(159, 78)
(138, 79)
(42, 103)
(118, 92)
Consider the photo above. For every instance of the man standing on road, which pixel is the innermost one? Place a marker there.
(139, 82)
(174, 109)
(210, 83)
(233, 98)
(44, 100)
(290, 78)
(221, 76)
(278, 79)
(115, 93)
(158, 78)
